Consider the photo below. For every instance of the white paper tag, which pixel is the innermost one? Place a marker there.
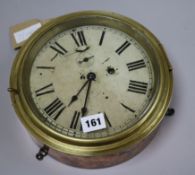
(24, 34)
(93, 122)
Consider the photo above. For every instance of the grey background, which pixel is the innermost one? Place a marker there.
(172, 151)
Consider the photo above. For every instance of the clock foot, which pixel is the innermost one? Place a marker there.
(42, 152)
(170, 112)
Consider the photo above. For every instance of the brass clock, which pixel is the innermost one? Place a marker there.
(91, 88)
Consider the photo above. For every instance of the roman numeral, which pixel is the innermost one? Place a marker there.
(45, 90)
(55, 108)
(58, 48)
(75, 120)
(138, 87)
(136, 65)
(46, 67)
(123, 47)
(107, 120)
(79, 38)
(102, 38)
(126, 107)
(54, 57)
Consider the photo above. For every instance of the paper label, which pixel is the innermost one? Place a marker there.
(93, 122)
(24, 34)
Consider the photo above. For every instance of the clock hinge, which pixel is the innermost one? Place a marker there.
(42, 152)
(12, 90)
(170, 112)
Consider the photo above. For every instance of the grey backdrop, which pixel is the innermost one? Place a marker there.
(172, 151)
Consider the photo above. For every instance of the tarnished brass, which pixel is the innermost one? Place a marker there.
(75, 149)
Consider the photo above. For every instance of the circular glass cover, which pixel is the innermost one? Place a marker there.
(91, 70)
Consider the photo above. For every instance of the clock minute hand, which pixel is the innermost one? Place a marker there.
(75, 97)
(91, 77)
(84, 108)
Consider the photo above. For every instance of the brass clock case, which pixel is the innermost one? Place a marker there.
(144, 129)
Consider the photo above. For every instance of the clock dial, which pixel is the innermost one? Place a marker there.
(89, 70)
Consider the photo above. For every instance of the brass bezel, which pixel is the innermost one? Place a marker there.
(101, 146)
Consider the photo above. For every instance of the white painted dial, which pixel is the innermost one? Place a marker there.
(121, 88)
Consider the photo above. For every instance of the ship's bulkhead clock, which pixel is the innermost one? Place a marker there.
(92, 88)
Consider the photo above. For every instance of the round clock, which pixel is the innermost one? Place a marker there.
(91, 88)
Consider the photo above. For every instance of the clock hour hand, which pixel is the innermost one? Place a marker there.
(91, 77)
(75, 97)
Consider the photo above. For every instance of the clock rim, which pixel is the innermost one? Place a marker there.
(77, 146)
